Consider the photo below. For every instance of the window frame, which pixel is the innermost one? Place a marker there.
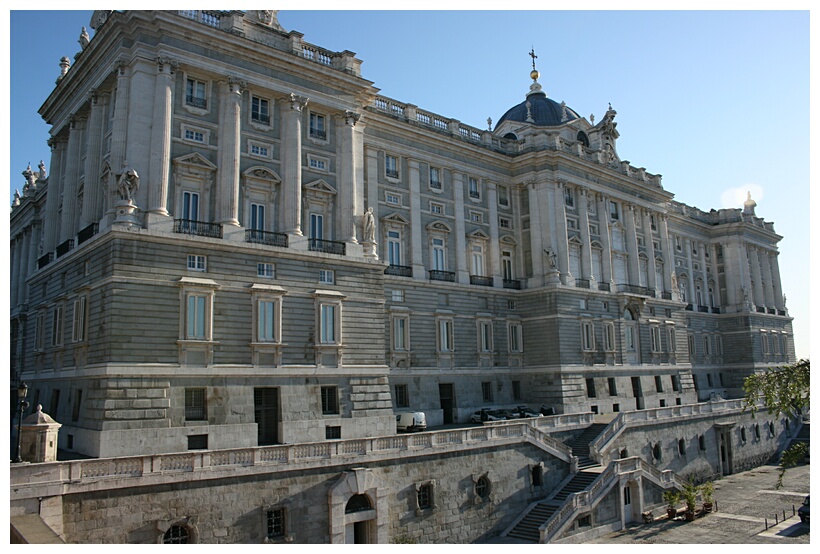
(317, 128)
(329, 400)
(196, 404)
(474, 189)
(259, 121)
(79, 320)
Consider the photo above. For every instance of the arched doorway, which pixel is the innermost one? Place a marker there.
(358, 509)
(359, 515)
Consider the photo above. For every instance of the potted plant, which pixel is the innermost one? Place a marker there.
(690, 497)
(672, 499)
(708, 491)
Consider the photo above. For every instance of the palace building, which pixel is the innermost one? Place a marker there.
(238, 242)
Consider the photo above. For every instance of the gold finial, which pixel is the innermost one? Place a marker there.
(534, 73)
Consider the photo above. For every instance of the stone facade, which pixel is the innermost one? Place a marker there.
(227, 253)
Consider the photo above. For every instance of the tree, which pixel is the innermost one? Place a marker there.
(783, 390)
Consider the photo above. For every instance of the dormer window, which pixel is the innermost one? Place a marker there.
(583, 139)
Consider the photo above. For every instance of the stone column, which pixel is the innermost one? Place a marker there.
(668, 254)
(346, 186)
(119, 139)
(779, 303)
(34, 245)
(51, 227)
(586, 248)
(494, 253)
(292, 162)
(14, 273)
(757, 285)
(690, 271)
(416, 259)
(92, 197)
(718, 296)
(230, 108)
(561, 238)
(159, 169)
(651, 281)
(768, 290)
(536, 236)
(633, 268)
(72, 174)
(704, 273)
(26, 237)
(462, 269)
(606, 240)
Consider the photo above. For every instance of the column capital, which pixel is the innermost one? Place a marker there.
(351, 118)
(600, 197)
(120, 66)
(297, 103)
(236, 85)
(530, 184)
(164, 61)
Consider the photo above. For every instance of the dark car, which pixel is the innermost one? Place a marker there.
(803, 511)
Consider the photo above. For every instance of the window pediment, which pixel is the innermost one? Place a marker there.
(478, 234)
(262, 173)
(320, 186)
(439, 226)
(395, 218)
(195, 161)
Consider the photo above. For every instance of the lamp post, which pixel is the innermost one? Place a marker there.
(22, 391)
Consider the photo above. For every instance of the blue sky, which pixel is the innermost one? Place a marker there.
(715, 101)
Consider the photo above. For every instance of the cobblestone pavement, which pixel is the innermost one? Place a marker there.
(746, 503)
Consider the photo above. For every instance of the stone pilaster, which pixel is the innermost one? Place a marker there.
(68, 226)
(561, 245)
(536, 236)
(119, 138)
(586, 249)
(26, 238)
(495, 253)
(462, 269)
(292, 162)
(651, 280)
(632, 267)
(230, 108)
(345, 127)
(414, 182)
(757, 281)
(779, 303)
(606, 239)
(92, 192)
(690, 272)
(51, 228)
(160, 161)
(768, 288)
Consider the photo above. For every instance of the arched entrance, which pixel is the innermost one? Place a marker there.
(358, 509)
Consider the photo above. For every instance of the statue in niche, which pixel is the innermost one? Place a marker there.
(369, 226)
(128, 183)
(84, 39)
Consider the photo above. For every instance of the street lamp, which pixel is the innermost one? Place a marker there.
(22, 391)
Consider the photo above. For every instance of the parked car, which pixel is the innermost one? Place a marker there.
(803, 511)
(524, 411)
(485, 414)
(411, 421)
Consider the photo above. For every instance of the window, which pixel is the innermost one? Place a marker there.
(613, 387)
(257, 222)
(516, 390)
(514, 337)
(672, 339)
(267, 317)
(391, 166)
(397, 295)
(438, 258)
(473, 189)
(195, 405)
(702, 443)
(613, 211)
(394, 247)
(764, 339)
(682, 447)
(709, 379)
(482, 487)
(194, 135)
(195, 94)
(424, 496)
(260, 110)
(330, 400)
(259, 150)
(485, 336)
(569, 197)
(658, 383)
(691, 340)
(39, 332)
(435, 178)
(57, 326)
(505, 222)
(591, 388)
(326, 276)
(476, 217)
(507, 271)
(317, 127)
(75, 409)
(275, 520)
(478, 259)
(503, 196)
(743, 435)
(333, 432)
(55, 402)
(487, 391)
(176, 534)
(707, 346)
(401, 333)
(587, 336)
(317, 163)
(391, 198)
(78, 324)
(265, 270)
(676, 383)
(609, 337)
(436, 208)
(327, 324)
(197, 262)
(656, 338)
(197, 305)
(190, 206)
(402, 398)
(445, 335)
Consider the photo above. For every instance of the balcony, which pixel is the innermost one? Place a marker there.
(399, 270)
(266, 237)
(65, 248)
(436, 275)
(512, 284)
(435, 185)
(87, 233)
(196, 102)
(772, 311)
(666, 295)
(703, 309)
(582, 283)
(781, 312)
(636, 289)
(262, 118)
(481, 280)
(604, 287)
(715, 310)
(688, 307)
(759, 309)
(326, 246)
(198, 228)
(318, 134)
(392, 173)
(44, 260)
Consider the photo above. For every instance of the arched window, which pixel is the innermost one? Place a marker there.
(177, 534)
(583, 139)
(510, 136)
(656, 451)
(358, 503)
(482, 486)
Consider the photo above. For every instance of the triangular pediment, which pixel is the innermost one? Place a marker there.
(195, 159)
(320, 186)
(397, 218)
(479, 235)
(576, 241)
(508, 239)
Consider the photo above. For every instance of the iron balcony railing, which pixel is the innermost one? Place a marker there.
(703, 309)
(326, 246)
(196, 101)
(666, 295)
(481, 280)
(438, 275)
(715, 310)
(45, 259)
(399, 270)
(198, 228)
(760, 309)
(87, 233)
(65, 247)
(512, 284)
(636, 289)
(269, 238)
(604, 287)
(318, 134)
(688, 307)
(261, 118)
(582, 283)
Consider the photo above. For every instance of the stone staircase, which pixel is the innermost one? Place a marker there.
(588, 470)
